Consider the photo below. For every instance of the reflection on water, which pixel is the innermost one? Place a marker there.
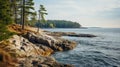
(101, 51)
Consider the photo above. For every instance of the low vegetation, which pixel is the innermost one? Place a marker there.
(4, 32)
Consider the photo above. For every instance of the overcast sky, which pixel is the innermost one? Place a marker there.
(90, 13)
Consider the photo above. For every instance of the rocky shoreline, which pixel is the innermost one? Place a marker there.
(71, 34)
(32, 49)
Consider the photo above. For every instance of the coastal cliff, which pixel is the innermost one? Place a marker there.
(30, 49)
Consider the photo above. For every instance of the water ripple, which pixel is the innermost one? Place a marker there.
(101, 51)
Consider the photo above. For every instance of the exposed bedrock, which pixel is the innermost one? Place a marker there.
(56, 44)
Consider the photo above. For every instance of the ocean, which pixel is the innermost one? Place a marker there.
(100, 51)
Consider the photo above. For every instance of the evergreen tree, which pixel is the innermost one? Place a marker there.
(23, 14)
(5, 19)
(15, 9)
(42, 13)
(28, 10)
(5, 12)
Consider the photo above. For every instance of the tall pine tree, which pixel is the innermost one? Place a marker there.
(5, 12)
(42, 13)
(27, 11)
(15, 6)
(29, 7)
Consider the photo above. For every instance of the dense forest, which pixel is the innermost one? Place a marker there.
(58, 24)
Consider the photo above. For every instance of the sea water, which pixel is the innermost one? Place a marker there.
(100, 51)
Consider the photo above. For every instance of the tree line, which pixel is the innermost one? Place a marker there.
(58, 24)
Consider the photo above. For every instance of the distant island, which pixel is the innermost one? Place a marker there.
(58, 24)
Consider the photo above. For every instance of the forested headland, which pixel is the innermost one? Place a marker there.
(58, 24)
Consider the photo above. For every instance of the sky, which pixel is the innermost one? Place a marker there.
(89, 13)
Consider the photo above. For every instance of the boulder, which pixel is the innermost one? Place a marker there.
(56, 44)
(21, 47)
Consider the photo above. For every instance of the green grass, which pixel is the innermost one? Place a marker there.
(4, 32)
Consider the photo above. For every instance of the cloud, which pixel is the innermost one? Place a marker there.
(111, 14)
(83, 11)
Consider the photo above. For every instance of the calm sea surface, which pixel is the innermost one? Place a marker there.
(101, 51)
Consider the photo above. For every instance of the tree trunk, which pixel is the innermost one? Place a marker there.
(15, 8)
(38, 22)
(38, 30)
(23, 15)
